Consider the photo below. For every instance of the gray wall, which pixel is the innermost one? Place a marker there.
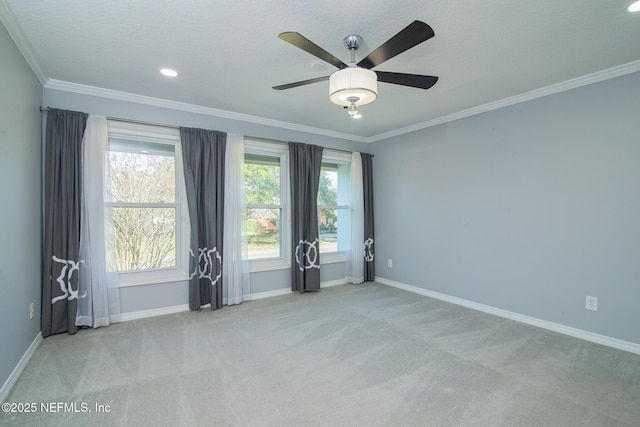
(136, 298)
(21, 212)
(528, 208)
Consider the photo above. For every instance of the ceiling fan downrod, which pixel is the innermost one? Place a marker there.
(352, 42)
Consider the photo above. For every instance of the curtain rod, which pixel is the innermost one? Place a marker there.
(140, 122)
(118, 119)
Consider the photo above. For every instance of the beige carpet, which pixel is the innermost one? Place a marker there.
(367, 355)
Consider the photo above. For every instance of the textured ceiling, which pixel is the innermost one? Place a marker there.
(229, 56)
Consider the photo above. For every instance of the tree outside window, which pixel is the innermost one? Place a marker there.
(141, 197)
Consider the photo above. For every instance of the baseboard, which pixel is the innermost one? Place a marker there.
(134, 315)
(555, 327)
(142, 314)
(266, 294)
(331, 283)
(287, 291)
(11, 381)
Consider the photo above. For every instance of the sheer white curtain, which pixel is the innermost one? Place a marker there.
(235, 259)
(355, 256)
(98, 297)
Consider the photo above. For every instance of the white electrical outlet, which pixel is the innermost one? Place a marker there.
(32, 311)
(390, 263)
(592, 303)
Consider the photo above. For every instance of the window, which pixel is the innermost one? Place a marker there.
(144, 195)
(267, 192)
(264, 210)
(267, 197)
(334, 200)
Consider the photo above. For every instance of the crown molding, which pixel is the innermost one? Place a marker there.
(9, 21)
(191, 108)
(588, 79)
(577, 82)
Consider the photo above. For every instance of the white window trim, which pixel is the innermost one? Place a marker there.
(275, 150)
(170, 136)
(333, 156)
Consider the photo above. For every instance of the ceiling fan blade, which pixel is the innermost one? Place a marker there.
(301, 83)
(412, 80)
(307, 45)
(413, 34)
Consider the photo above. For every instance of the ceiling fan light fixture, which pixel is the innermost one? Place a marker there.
(353, 109)
(353, 82)
(635, 7)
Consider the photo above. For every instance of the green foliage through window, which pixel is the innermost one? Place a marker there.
(264, 213)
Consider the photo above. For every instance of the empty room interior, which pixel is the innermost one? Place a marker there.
(320, 213)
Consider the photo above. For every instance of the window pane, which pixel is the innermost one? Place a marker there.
(328, 230)
(143, 174)
(263, 233)
(328, 189)
(262, 180)
(334, 224)
(145, 237)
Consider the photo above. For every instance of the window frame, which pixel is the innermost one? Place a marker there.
(336, 157)
(263, 148)
(140, 132)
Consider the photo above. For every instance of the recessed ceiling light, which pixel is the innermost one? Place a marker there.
(168, 72)
(635, 7)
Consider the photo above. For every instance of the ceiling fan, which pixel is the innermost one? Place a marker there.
(354, 84)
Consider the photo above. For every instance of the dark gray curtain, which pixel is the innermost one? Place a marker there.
(62, 202)
(305, 162)
(203, 158)
(369, 249)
